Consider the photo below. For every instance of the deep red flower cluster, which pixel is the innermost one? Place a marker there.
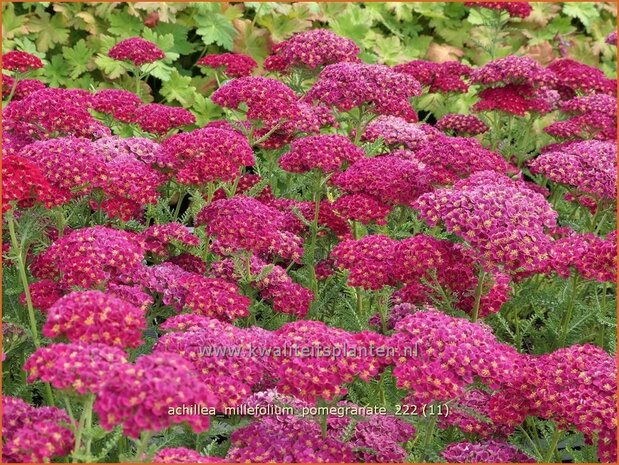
(20, 62)
(119, 103)
(233, 64)
(243, 223)
(207, 155)
(325, 152)
(161, 119)
(442, 78)
(591, 117)
(311, 49)
(23, 88)
(159, 238)
(574, 76)
(137, 51)
(462, 124)
(515, 9)
(267, 100)
(592, 256)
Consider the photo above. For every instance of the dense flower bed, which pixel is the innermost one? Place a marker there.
(326, 274)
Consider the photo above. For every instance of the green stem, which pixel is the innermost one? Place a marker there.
(567, 316)
(553, 446)
(21, 266)
(142, 444)
(13, 88)
(478, 290)
(85, 416)
(429, 434)
(317, 194)
(359, 305)
(179, 202)
(88, 423)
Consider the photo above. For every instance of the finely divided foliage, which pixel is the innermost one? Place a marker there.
(321, 255)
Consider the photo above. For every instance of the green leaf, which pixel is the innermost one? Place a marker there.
(205, 110)
(56, 72)
(77, 58)
(215, 29)
(355, 24)
(587, 13)
(179, 33)
(12, 24)
(124, 25)
(50, 30)
(110, 67)
(179, 88)
(164, 41)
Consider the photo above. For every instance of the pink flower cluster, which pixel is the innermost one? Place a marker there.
(138, 395)
(159, 238)
(326, 152)
(311, 49)
(243, 223)
(266, 99)
(592, 256)
(81, 368)
(388, 178)
(20, 62)
(233, 64)
(395, 132)
(309, 366)
(488, 451)
(220, 354)
(363, 208)
(119, 103)
(31, 434)
(161, 119)
(442, 78)
(574, 76)
(207, 155)
(183, 455)
(274, 284)
(137, 51)
(379, 88)
(591, 117)
(210, 297)
(95, 317)
(500, 217)
(451, 354)
(589, 166)
(52, 112)
(90, 257)
(513, 70)
(462, 124)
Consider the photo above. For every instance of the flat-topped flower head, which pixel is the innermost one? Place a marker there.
(312, 49)
(515, 99)
(160, 119)
(594, 257)
(443, 77)
(34, 434)
(96, 317)
(326, 152)
(119, 103)
(233, 64)
(267, 100)
(20, 62)
(244, 223)
(139, 396)
(370, 260)
(23, 88)
(81, 368)
(589, 166)
(395, 132)
(488, 451)
(53, 112)
(461, 124)
(515, 9)
(183, 455)
(361, 207)
(450, 354)
(24, 184)
(90, 257)
(513, 70)
(574, 77)
(207, 155)
(379, 88)
(159, 238)
(137, 51)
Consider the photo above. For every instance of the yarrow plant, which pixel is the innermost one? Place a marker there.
(231, 234)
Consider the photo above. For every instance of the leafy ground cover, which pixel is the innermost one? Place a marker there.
(309, 232)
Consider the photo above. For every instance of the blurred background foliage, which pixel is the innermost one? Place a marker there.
(73, 38)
